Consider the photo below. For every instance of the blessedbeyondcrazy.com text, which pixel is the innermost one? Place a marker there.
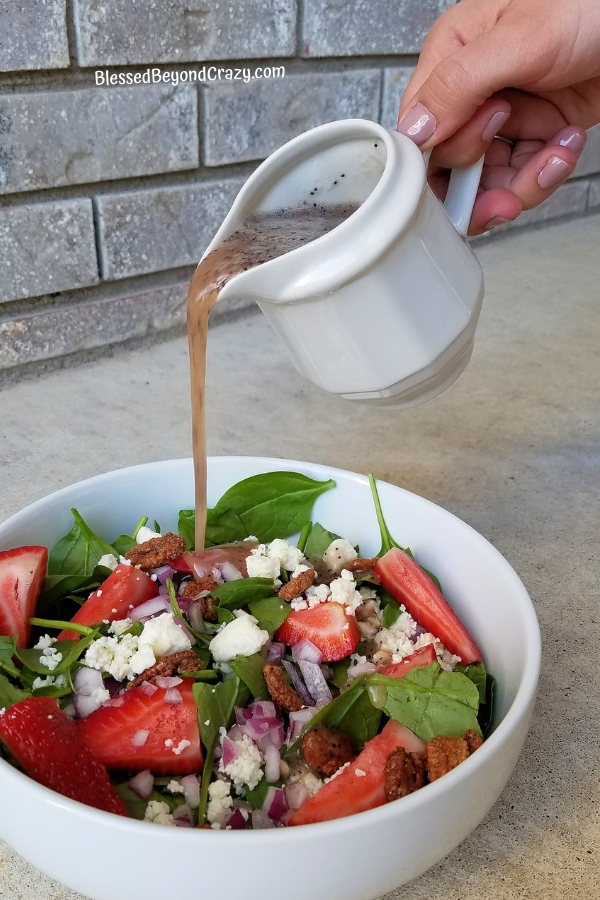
(205, 75)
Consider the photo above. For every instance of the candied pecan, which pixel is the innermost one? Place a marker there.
(157, 551)
(325, 750)
(193, 588)
(296, 586)
(403, 773)
(362, 565)
(279, 689)
(444, 754)
(197, 590)
(473, 740)
(173, 664)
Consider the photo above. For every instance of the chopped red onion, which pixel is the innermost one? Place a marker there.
(261, 819)
(236, 821)
(314, 680)
(147, 688)
(142, 783)
(230, 751)
(191, 790)
(298, 683)
(306, 650)
(216, 574)
(140, 738)
(418, 632)
(163, 590)
(86, 681)
(114, 701)
(235, 733)
(168, 681)
(150, 608)
(276, 653)
(183, 817)
(296, 793)
(184, 604)
(242, 715)
(263, 708)
(229, 571)
(366, 668)
(286, 817)
(196, 619)
(272, 764)
(163, 572)
(173, 697)
(297, 722)
(274, 804)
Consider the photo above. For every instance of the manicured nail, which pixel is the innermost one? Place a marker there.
(572, 139)
(494, 125)
(553, 172)
(418, 124)
(497, 220)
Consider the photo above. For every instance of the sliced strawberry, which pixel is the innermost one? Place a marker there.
(326, 625)
(423, 657)
(115, 732)
(124, 589)
(48, 747)
(22, 573)
(236, 553)
(349, 792)
(408, 584)
(180, 565)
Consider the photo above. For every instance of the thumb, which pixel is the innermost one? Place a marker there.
(458, 85)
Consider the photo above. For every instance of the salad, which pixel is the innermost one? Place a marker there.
(261, 682)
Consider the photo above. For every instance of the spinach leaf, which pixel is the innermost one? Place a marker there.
(486, 709)
(256, 796)
(202, 675)
(136, 807)
(215, 710)
(361, 721)
(70, 650)
(318, 541)
(334, 712)
(390, 609)
(303, 537)
(270, 613)
(78, 552)
(186, 527)
(223, 527)
(274, 504)
(234, 594)
(477, 674)
(7, 651)
(123, 544)
(9, 694)
(340, 672)
(430, 702)
(249, 669)
(224, 616)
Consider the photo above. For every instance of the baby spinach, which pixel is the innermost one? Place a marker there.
(215, 710)
(274, 504)
(390, 608)
(334, 712)
(317, 542)
(249, 669)
(477, 674)
(270, 613)
(430, 701)
(70, 650)
(9, 694)
(234, 594)
(7, 651)
(361, 722)
(224, 616)
(257, 795)
(186, 527)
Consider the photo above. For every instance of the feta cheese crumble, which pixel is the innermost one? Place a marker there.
(260, 565)
(344, 591)
(246, 767)
(288, 555)
(339, 553)
(175, 788)
(242, 636)
(50, 658)
(220, 802)
(145, 534)
(164, 636)
(45, 642)
(159, 813)
(109, 561)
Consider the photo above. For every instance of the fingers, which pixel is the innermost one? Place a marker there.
(492, 208)
(472, 140)
(461, 82)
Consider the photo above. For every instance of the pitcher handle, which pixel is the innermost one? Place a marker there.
(462, 191)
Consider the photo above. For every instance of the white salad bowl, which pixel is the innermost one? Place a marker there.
(356, 858)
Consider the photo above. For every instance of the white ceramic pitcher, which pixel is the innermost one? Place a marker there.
(384, 307)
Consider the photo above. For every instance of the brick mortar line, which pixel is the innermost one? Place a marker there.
(71, 21)
(77, 78)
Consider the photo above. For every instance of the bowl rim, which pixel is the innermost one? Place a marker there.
(523, 699)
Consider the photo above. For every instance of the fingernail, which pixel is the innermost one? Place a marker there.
(494, 125)
(497, 220)
(553, 172)
(418, 124)
(572, 139)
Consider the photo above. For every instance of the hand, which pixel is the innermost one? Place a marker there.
(526, 70)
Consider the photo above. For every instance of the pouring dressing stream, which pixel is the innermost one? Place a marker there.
(358, 267)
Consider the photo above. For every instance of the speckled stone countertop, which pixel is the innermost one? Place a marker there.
(513, 448)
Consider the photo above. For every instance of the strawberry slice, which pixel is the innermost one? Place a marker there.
(408, 584)
(423, 657)
(125, 588)
(145, 732)
(48, 747)
(22, 573)
(360, 786)
(326, 625)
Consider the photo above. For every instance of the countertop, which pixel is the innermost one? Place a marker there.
(513, 448)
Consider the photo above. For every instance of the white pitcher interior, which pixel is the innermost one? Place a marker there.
(384, 307)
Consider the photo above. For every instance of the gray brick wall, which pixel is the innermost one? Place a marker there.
(109, 192)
